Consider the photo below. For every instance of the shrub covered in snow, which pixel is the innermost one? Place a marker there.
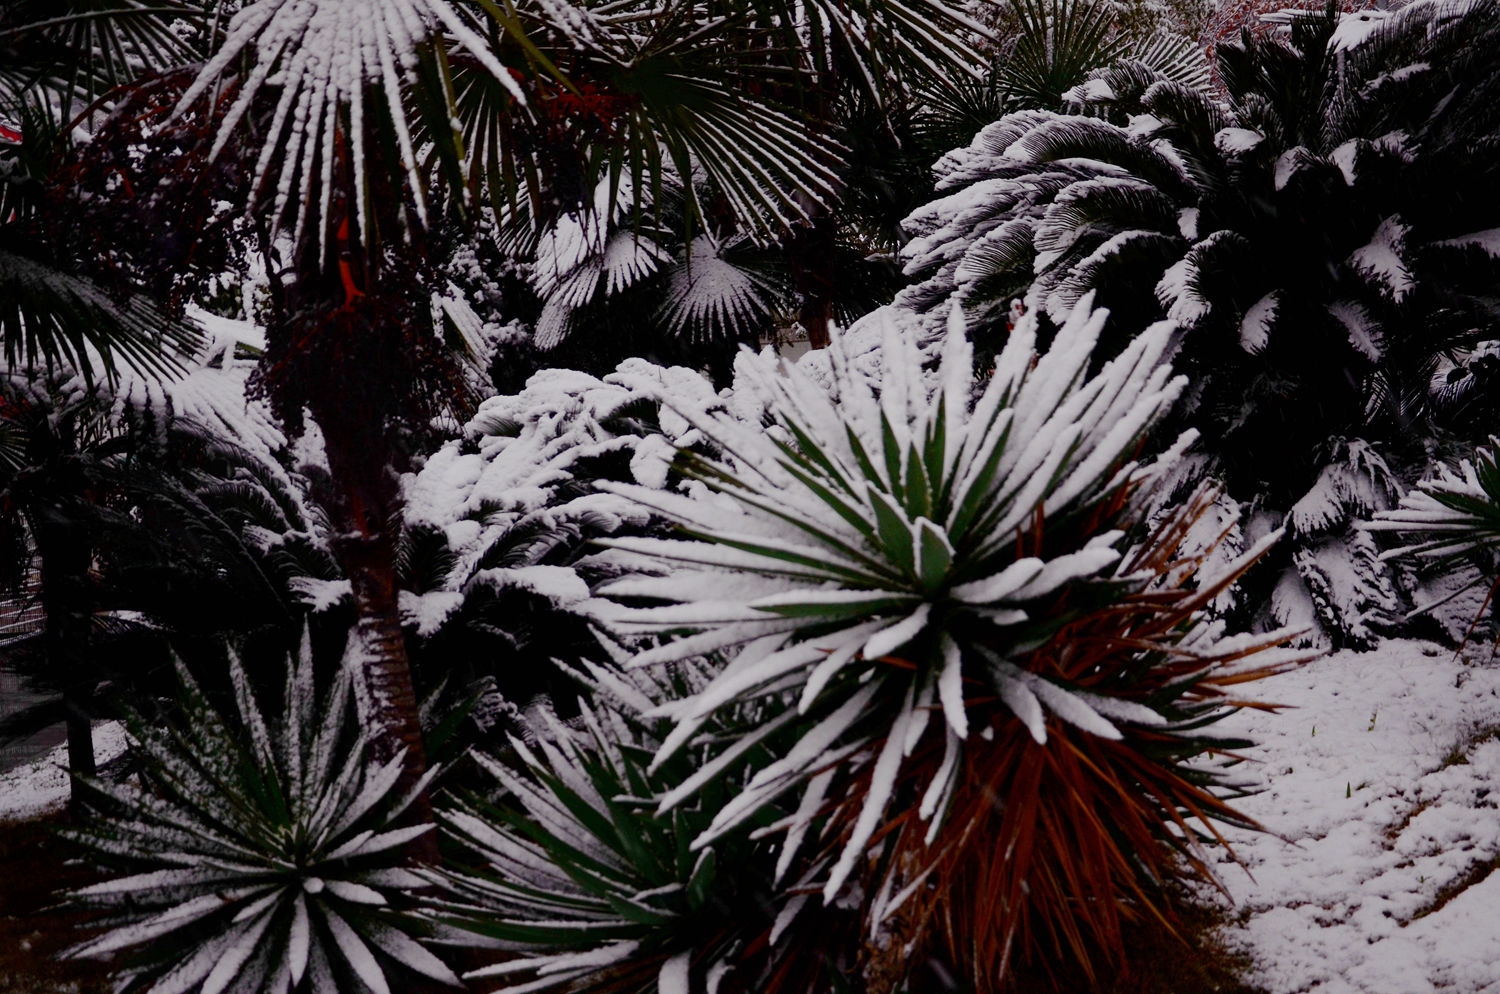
(497, 559)
(1323, 239)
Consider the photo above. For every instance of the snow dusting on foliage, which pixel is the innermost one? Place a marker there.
(324, 55)
(878, 518)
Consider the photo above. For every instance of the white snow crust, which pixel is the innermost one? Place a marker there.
(1376, 874)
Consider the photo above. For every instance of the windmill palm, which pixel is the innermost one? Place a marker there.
(57, 61)
(519, 101)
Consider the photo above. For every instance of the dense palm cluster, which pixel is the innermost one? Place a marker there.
(377, 424)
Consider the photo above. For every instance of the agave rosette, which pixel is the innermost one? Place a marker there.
(884, 552)
(580, 883)
(259, 860)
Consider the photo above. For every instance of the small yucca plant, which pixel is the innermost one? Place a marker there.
(581, 886)
(889, 551)
(259, 860)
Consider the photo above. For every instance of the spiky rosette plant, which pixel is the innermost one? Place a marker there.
(580, 885)
(1453, 517)
(886, 552)
(1451, 521)
(258, 860)
(1094, 829)
(908, 524)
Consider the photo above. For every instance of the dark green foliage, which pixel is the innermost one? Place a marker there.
(1321, 237)
(585, 883)
(262, 857)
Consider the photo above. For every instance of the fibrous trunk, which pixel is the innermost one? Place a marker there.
(66, 558)
(366, 550)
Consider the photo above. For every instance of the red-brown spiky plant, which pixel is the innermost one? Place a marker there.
(1050, 849)
(981, 671)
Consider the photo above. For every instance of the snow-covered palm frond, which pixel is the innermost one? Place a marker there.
(709, 295)
(1453, 517)
(265, 857)
(584, 885)
(60, 321)
(342, 73)
(76, 52)
(588, 257)
(889, 39)
(871, 557)
(1060, 42)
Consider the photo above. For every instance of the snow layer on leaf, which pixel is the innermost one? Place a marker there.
(1255, 327)
(1383, 259)
(1233, 141)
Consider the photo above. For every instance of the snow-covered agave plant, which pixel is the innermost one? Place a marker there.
(259, 859)
(579, 883)
(886, 549)
(893, 557)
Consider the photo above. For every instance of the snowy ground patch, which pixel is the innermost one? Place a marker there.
(1382, 781)
(41, 786)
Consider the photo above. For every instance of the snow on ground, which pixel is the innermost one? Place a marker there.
(1382, 781)
(41, 786)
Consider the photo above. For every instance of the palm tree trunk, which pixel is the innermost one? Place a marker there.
(810, 255)
(66, 558)
(366, 550)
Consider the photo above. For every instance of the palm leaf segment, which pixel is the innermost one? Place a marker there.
(1171, 215)
(703, 288)
(868, 553)
(579, 878)
(722, 91)
(55, 319)
(51, 315)
(1453, 518)
(263, 858)
(341, 67)
(72, 53)
(1061, 42)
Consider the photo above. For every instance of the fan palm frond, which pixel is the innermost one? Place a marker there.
(77, 51)
(710, 293)
(344, 76)
(51, 318)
